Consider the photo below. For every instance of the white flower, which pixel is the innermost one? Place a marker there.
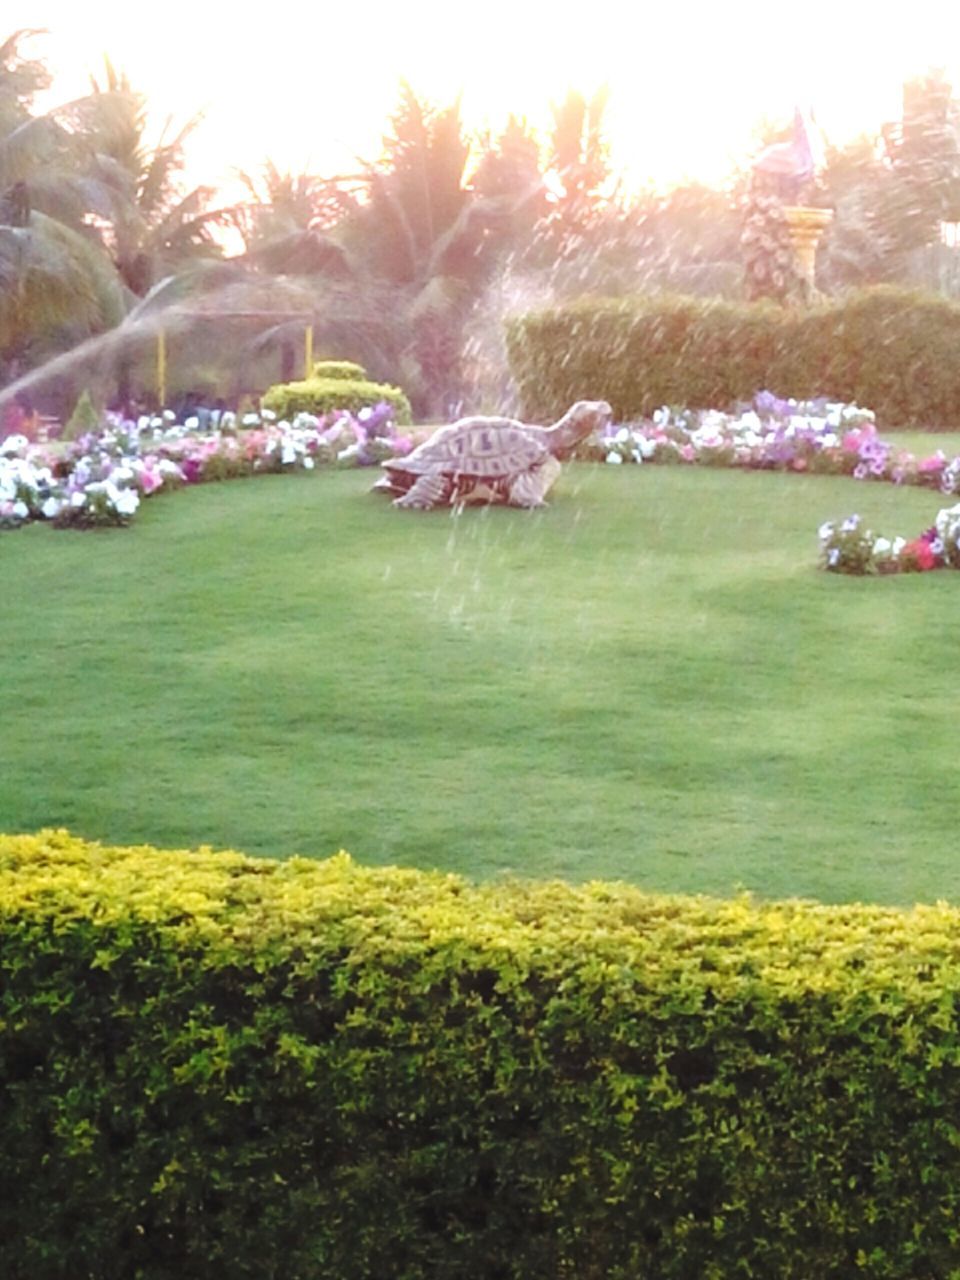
(898, 545)
(192, 422)
(308, 464)
(21, 510)
(14, 445)
(51, 508)
(78, 499)
(169, 415)
(250, 420)
(882, 547)
(268, 415)
(825, 531)
(126, 502)
(614, 457)
(288, 453)
(833, 557)
(849, 524)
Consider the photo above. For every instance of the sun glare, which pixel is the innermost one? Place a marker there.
(314, 89)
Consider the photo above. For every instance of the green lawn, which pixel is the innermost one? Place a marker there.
(650, 680)
(923, 443)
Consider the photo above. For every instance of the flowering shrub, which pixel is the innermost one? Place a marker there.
(849, 547)
(818, 436)
(99, 479)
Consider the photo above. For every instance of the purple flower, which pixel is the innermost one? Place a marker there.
(769, 405)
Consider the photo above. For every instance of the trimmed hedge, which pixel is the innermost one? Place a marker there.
(894, 350)
(214, 1065)
(344, 369)
(337, 390)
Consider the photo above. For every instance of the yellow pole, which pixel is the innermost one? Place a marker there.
(161, 368)
(308, 351)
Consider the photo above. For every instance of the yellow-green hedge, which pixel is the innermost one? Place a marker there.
(214, 1065)
(892, 350)
(320, 395)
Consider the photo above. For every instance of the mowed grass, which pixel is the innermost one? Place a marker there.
(651, 680)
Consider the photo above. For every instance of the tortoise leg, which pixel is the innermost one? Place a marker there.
(424, 493)
(530, 488)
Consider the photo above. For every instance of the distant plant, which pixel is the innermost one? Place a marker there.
(321, 395)
(84, 419)
(344, 369)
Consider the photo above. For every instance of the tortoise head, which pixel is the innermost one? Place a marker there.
(580, 421)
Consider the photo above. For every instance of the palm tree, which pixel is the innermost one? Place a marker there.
(578, 160)
(423, 234)
(57, 285)
(152, 227)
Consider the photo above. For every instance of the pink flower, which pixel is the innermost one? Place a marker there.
(859, 436)
(150, 480)
(936, 462)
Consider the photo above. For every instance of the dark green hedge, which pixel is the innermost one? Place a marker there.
(890, 350)
(217, 1066)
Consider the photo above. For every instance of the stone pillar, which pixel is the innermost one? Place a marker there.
(807, 225)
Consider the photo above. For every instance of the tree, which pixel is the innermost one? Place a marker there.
(152, 226)
(579, 166)
(923, 151)
(421, 231)
(57, 287)
(509, 173)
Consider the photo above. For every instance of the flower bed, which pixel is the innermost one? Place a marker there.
(100, 479)
(850, 547)
(776, 435)
(816, 437)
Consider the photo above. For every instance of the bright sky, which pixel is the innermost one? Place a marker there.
(311, 86)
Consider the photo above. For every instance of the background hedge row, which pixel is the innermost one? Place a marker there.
(212, 1065)
(890, 350)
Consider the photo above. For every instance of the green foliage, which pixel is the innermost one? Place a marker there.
(888, 348)
(322, 395)
(85, 417)
(215, 1065)
(343, 369)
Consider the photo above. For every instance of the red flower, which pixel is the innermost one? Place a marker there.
(918, 555)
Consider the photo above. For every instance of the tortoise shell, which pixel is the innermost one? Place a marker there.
(485, 447)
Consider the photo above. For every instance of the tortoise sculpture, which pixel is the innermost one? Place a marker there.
(489, 460)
